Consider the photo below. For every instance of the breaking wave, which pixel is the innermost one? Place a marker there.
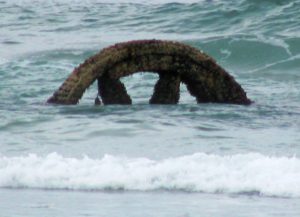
(239, 174)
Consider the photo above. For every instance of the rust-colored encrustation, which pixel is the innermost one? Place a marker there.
(174, 62)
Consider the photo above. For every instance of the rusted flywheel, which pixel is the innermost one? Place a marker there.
(174, 62)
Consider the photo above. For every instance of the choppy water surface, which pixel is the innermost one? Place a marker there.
(149, 160)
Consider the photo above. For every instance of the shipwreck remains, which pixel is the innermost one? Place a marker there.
(174, 62)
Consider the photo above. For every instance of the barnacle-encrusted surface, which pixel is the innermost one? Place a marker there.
(175, 62)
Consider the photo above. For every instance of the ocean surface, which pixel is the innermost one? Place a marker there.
(185, 160)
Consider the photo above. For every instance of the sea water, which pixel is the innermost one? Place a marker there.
(149, 160)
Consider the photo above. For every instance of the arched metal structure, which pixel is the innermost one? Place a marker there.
(174, 62)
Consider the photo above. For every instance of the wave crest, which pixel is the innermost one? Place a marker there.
(241, 173)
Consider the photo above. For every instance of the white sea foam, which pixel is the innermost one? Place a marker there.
(242, 173)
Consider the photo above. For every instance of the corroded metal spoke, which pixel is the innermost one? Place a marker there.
(166, 90)
(113, 91)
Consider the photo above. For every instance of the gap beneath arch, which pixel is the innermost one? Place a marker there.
(140, 85)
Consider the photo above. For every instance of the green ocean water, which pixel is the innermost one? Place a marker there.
(164, 160)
